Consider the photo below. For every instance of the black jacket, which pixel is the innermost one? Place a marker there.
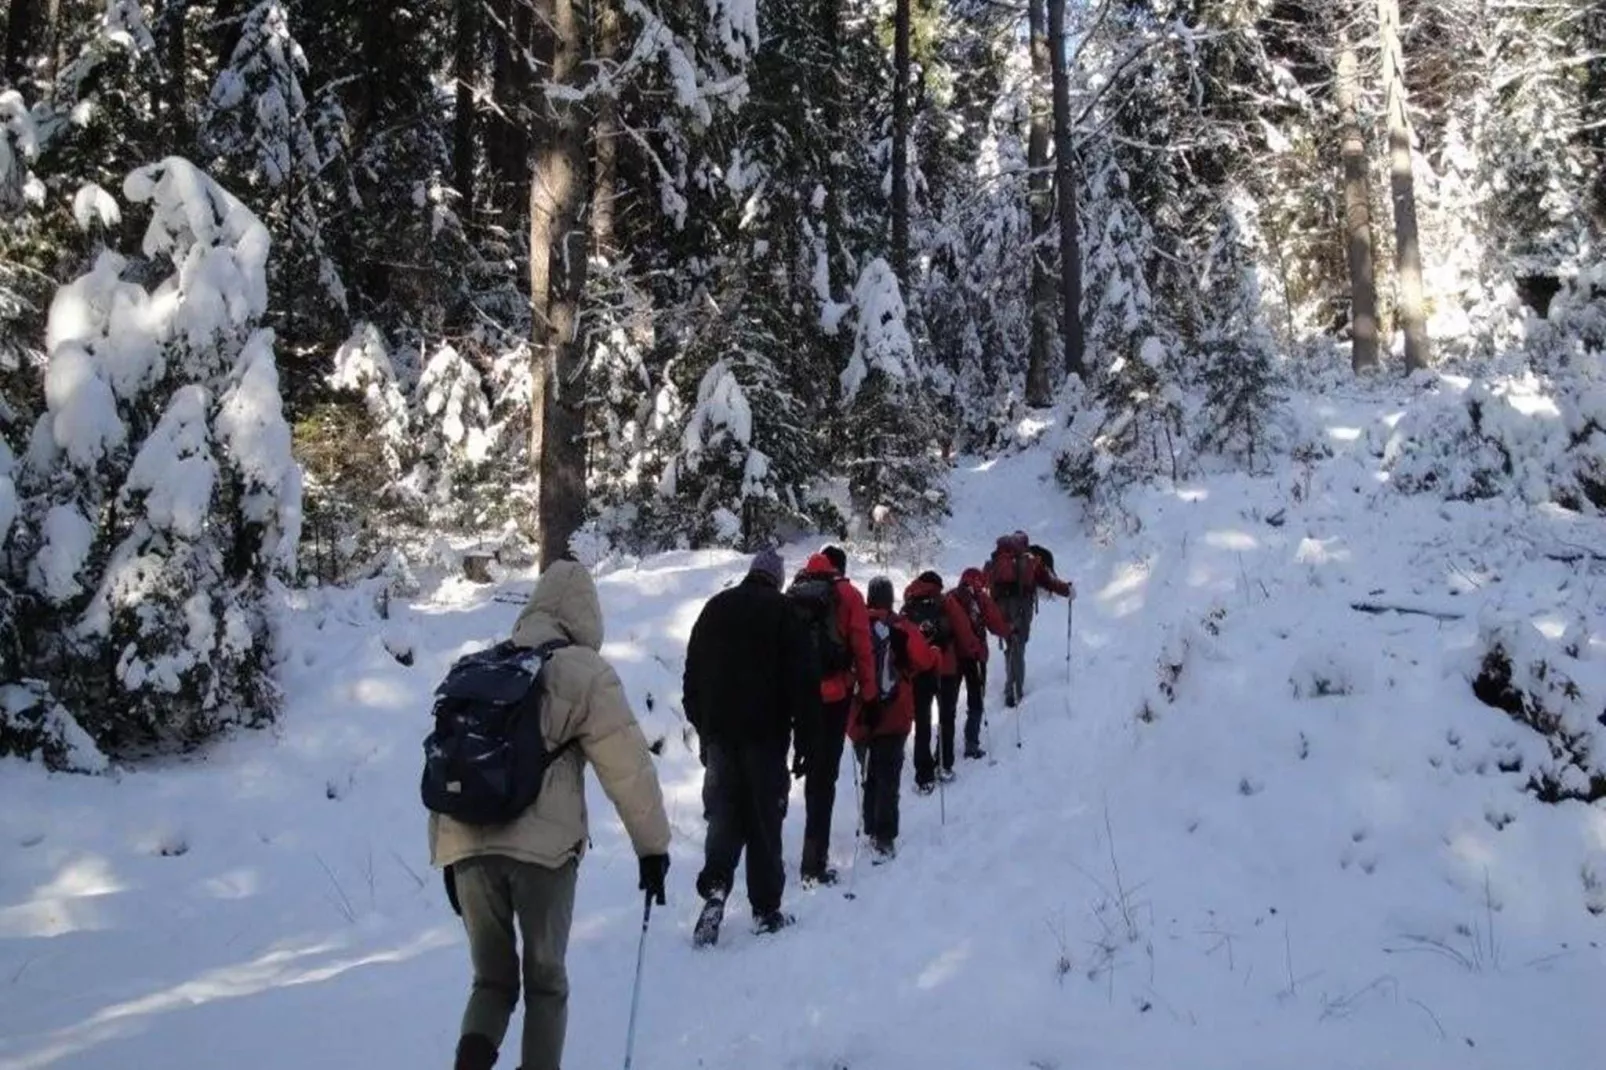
(749, 667)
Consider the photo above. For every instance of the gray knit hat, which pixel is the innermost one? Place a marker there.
(769, 563)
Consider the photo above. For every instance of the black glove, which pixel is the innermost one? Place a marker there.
(654, 868)
(869, 714)
(451, 890)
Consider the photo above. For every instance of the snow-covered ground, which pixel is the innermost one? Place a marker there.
(1298, 849)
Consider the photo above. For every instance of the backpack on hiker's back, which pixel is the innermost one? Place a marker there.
(884, 644)
(814, 596)
(927, 613)
(486, 758)
(1011, 568)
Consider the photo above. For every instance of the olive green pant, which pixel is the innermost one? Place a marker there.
(493, 892)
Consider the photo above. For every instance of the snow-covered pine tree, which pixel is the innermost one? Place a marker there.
(160, 503)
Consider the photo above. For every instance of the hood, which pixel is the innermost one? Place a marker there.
(973, 577)
(820, 563)
(922, 589)
(564, 606)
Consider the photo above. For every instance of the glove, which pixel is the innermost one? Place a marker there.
(869, 714)
(451, 890)
(654, 868)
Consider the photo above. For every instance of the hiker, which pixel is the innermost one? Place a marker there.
(525, 871)
(751, 688)
(984, 616)
(839, 627)
(942, 623)
(884, 713)
(1015, 575)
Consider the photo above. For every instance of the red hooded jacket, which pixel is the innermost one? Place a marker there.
(972, 590)
(853, 621)
(898, 717)
(965, 642)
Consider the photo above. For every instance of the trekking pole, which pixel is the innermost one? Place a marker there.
(635, 992)
(858, 828)
(942, 785)
(1070, 613)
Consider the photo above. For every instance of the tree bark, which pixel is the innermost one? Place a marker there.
(1402, 190)
(900, 143)
(507, 140)
(23, 35)
(605, 136)
(175, 94)
(1066, 182)
(558, 254)
(831, 122)
(466, 72)
(1041, 207)
(1357, 213)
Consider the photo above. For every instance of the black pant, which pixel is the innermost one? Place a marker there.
(945, 691)
(825, 762)
(974, 674)
(882, 759)
(745, 786)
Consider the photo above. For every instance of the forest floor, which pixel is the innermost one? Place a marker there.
(1258, 828)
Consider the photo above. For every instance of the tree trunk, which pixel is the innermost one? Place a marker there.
(228, 17)
(1040, 203)
(466, 72)
(1357, 213)
(507, 141)
(1066, 181)
(605, 136)
(558, 252)
(175, 95)
(1402, 189)
(831, 122)
(23, 35)
(900, 143)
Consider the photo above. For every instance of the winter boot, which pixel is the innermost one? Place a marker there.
(973, 750)
(771, 921)
(945, 775)
(814, 869)
(925, 787)
(882, 851)
(706, 932)
(475, 1052)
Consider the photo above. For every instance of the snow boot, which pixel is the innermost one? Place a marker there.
(706, 932)
(974, 750)
(475, 1052)
(925, 787)
(814, 869)
(771, 921)
(945, 775)
(882, 852)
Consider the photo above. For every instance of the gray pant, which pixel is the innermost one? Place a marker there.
(1019, 611)
(494, 891)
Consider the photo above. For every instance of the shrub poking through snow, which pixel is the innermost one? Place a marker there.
(34, 725)
(160, 500)
(1546, 686)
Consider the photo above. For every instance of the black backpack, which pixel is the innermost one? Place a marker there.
(813, 596)
(486, 758)
(884, 647)
(927, 614)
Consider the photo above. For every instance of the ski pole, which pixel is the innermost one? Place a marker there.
(858, 828)
(1070, 613)
(635, 992)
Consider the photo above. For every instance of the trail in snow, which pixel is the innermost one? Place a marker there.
(1258, 829)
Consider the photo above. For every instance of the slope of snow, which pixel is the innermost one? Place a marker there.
(1260, 829)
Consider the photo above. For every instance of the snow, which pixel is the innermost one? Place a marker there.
(1258, 829)
(251, 425)
(175, 468)
(92, 206)
(881, 341)
(66, 536)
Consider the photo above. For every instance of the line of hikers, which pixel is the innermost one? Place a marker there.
(819, 664)
(516, 724)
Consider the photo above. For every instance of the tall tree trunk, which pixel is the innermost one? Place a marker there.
(900, 142)
(558, 253)
(1402, 190)
(1039, 200)
(466, 73)
(1066, 181)
(176, 61)
(228, 18)
(507, 141)
(24, 32)
(605, 136)
(831, 123)
(1357, 213)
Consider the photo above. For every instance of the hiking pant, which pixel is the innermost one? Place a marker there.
(882, 758)
(945, 691)
(1019, 610)
(974, 674)
(819, 783)
(745, 787)
(495, 891)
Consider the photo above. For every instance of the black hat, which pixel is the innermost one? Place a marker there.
(880, 593)
(838, 558)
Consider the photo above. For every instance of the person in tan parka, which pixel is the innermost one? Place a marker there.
(526, 870)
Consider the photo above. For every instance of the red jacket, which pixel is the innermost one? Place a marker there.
(972, 591)
(853, 621)
(965, 643)
(1036, 574)
(897, 718)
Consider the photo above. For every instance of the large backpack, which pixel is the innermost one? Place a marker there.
(486, 758)
(927, 613)
(884, 649)
(1012, 571)
(813, 596)
(971, 602)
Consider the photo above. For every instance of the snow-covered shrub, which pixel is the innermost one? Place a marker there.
(35, 726)
(1553, 688)
(160, 502)
(1129, 430)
